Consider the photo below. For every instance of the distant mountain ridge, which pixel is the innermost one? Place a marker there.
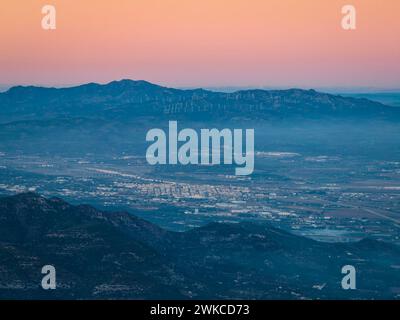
(115, 255)
(128, 99)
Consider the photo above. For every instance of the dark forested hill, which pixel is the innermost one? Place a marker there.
(101, 254)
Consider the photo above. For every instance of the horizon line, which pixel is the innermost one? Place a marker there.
(224, 87)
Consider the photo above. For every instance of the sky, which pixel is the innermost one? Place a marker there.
(202, 43)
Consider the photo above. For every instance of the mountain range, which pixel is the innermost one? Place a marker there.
(110, 255)
(128, 99)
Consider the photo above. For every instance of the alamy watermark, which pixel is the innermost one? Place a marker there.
(349, 280)
(49, 280)
(205, 150)
(349, 17)
(348, 21)
(49, 18)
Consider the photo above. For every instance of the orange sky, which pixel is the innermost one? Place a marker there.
(202, 43)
